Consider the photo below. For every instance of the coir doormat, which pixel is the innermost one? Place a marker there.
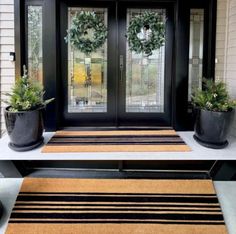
(105, 206)
(115, 141)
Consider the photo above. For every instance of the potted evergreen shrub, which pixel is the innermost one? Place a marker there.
(24, 115)
(214, 111)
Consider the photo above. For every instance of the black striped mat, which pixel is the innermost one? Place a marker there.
(115, 141)
(116, 206)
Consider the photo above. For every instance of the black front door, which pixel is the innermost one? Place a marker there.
(115, 86)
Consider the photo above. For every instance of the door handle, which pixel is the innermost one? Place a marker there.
(121, 67)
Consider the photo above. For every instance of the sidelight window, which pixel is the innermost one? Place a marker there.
(34, 42)
(195, 50)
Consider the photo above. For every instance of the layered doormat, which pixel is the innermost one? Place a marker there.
(105, 206)
(116, 141)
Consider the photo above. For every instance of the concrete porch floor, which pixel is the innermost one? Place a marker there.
(226, 192)
(198, 152)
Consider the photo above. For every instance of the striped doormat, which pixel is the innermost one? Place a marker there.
(105, 206)
(115, 141)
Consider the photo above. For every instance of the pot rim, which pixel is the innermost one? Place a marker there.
(27, 111)
(229, 111)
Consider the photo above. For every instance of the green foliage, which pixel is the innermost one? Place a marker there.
(214, 97)
(156, 23)
(79, 36)
(26, 95)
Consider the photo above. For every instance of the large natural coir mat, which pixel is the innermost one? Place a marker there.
(115, 141)
(112, 206)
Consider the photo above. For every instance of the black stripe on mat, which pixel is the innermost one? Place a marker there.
(125, 194)
(119, 205)
(116, 143)
(119, 199)
(120, 216)
(114, 209)
(144, 140)
(119, 221)
(115, 136)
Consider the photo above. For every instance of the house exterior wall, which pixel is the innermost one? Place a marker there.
(230, 66)
(221, 36)
(7, 68)
(225, 47)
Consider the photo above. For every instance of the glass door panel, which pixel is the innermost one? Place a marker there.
(87, 74)
(145, 76)
(145, 81)
(88, 79)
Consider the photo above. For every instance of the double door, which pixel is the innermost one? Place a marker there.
(115, 86)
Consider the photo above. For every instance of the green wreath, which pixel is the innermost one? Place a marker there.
(83, 25)
(149, 21)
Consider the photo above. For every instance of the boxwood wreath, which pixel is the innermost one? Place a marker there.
(83, 25)
(148, 21)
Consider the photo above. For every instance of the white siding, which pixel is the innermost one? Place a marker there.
(7, 68)
(231, 53)
(221, 38)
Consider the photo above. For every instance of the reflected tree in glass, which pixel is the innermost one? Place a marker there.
(87, 73)
(145, 74)
(196, 36)
(35, 42)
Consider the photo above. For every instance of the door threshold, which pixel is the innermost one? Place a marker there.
(53, 173)
(107, 128)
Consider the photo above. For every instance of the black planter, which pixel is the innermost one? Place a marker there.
(212, 128)
(25, 128)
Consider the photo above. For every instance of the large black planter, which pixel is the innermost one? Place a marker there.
(212, 128)
(25, 128)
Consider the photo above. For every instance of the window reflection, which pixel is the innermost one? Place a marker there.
(87, 74)
(195, 50)
(35, 51)
(144, 75)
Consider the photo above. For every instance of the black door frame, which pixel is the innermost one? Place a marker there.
(116, 115)
(102, 119)
(184, 118)
(52, 54)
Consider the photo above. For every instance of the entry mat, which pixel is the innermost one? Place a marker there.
(116, 141)
(107, 206)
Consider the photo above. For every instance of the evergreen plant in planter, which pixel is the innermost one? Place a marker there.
(214, 111)
(24, 115)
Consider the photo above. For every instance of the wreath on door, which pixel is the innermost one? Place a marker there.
(87, 32)
(146, 33)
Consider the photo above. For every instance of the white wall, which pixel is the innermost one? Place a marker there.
(230, 72)
(226, 47)
(7, 68)
(221, 37)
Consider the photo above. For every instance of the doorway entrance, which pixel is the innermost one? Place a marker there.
(115, 86)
